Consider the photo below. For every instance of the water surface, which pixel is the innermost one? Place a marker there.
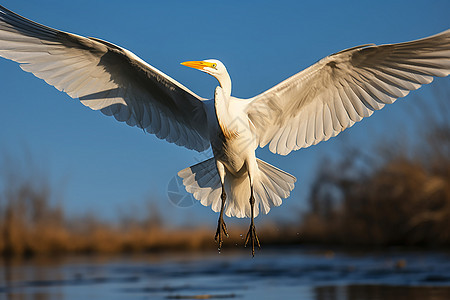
(273, 274)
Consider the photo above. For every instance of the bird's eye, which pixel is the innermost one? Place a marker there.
(214, 66)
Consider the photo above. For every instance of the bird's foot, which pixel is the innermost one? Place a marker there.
(221, 228)
(252, 237)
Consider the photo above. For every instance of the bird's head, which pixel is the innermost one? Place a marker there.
(212, 67)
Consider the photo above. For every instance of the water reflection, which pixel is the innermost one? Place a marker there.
(380, 292)
(284, 274)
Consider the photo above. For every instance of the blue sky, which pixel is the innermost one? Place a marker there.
(103, 166)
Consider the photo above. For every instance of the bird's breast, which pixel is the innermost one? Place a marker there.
(234, 140)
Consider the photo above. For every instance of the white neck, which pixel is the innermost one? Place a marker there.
(225, 82)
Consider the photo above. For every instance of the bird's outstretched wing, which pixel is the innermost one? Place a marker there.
(106, 77)
(341, 89)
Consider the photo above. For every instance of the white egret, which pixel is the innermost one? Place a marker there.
(311, 106)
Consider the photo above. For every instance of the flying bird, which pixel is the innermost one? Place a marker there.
(311, 106)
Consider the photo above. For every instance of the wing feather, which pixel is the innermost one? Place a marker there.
(344, 88)
(108, 78)
(301, 134)
(292, 138)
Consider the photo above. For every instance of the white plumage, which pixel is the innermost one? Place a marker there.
(311, 106)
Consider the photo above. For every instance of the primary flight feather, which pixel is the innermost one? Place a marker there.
(309, 107)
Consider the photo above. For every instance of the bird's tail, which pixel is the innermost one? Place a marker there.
(270, 186)
(203, 182)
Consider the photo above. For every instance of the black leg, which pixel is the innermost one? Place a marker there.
(221, 227)
(251, 234)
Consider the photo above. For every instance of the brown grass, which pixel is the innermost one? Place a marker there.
(31, 225)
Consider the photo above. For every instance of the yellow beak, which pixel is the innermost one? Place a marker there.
(199, 64)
